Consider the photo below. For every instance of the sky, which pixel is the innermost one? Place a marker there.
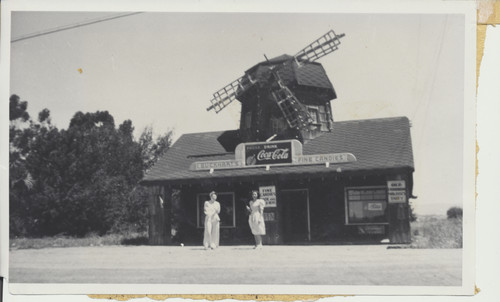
(160, 70)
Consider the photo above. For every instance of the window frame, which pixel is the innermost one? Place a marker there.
(323, 118)
(200, 224)
(316, 113)
(346, 204)
(319, 112)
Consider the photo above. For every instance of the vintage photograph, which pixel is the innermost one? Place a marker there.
(273, 151)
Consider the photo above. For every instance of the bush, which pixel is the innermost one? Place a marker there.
(91, 239)
(437, 232)
(412, 216)
(454, 212)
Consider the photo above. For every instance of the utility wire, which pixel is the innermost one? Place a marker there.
(71, 26)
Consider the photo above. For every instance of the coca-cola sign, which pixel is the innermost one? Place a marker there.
(268, 153)
(276, 153)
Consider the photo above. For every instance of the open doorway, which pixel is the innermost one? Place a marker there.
(295, 213)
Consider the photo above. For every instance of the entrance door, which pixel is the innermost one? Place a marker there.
(295, 211)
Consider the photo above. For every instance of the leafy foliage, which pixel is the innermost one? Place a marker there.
(153, 149)
(18, 109)
(80, 180)
(454, 213)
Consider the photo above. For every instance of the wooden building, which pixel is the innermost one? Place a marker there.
(349, 185)
(323, 181)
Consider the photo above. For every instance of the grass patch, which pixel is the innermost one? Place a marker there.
(90, 240)
(426, 232)
(436, 232)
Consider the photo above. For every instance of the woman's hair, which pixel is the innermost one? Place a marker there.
(212, 193)
(256, 191)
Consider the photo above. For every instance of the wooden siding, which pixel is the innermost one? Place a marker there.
(160, 215)
(326, 208)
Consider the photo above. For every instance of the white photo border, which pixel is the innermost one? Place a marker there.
(467, 8)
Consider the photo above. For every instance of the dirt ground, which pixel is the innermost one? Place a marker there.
(329, 265)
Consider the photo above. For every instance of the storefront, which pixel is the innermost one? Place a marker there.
(349, 185)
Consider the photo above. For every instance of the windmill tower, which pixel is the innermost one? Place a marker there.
(287, 97)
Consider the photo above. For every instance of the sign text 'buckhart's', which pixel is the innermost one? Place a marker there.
(217, 164)
(278, 153)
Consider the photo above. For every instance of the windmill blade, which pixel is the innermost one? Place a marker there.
(228, 93)
(322, 46)
(290, 107)
(288, 103)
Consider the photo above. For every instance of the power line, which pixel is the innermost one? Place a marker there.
(71, 26)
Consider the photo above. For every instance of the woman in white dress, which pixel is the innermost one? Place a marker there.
(211, 210)
(256, 219)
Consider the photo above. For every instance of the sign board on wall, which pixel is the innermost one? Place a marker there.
(216, 164)
(268, 194)
(274, 153)
(396, 184)
(397, 196)
(396, 191)
(268, 153)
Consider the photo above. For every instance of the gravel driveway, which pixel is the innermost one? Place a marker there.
(331, 265)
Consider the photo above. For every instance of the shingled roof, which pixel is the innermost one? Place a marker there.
(307, 74)
(377, 144)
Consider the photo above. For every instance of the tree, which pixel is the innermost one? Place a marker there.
(79, 180)
(18, 116)
(20, 180)
(454, 213)
(152, 149)
(18, 109)
(104, 165)
(39, 143)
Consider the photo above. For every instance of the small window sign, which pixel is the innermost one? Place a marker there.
(396, 191)
(396, 184)
(397, 196)
(269, 216)
(268, 194)
(375, 206)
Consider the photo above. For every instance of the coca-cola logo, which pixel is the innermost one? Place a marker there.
(268, 153)
(272, 155)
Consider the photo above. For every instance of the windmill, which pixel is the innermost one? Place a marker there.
(284, 97)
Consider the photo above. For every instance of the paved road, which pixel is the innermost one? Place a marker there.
(332, 265)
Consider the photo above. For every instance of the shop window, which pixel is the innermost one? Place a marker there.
(366, 205)
(227, 213)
